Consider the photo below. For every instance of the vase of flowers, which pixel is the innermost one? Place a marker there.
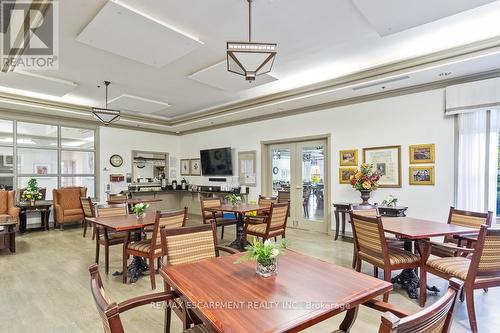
(233, 199)
(365, 180)
(265, 255)
(140, 209)
(31, 193)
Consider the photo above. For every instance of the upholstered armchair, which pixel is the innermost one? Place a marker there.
(67, 205)
(7, 204)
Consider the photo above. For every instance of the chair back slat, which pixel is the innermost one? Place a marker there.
(467, 219)
(191, 244)
(267, 201)
(487, 253)
(112, 210)
(108, 311)
(365, 210)
(169, 220)
(437, 318)
(118, 196)
(209, 203)
(278, 215)
(369, 235)
(87, 206)
(283, 196)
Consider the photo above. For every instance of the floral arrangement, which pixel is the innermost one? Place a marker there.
(264, 253)
(140, 208)
(31, 193)
(391, 201)
(233, 199)
(365, 179)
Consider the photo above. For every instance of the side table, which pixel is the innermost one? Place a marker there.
(8, 235)
(42, 206)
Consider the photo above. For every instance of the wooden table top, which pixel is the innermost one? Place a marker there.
(124, 223)
(239, 208)
(305, 291)
(411, 228)
(132, 201)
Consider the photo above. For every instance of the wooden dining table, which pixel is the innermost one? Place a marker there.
(128, 223)
(417, 230)
(232, 298)
(239, 210)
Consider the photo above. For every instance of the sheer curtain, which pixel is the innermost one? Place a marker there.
(477, 160)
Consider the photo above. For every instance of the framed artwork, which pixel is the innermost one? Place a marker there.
(185, 167)
(41, 169)
(345, 174)
(8, 160)
(195, 167)
(348, 157)
(422, 154)
(421, 175)
(247, 166)
(387, 161)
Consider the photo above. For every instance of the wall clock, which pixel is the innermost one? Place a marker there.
(116, 160)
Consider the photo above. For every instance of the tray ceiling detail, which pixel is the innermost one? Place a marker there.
(36, 83)
(137, 103)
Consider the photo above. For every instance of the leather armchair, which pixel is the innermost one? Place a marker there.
(67, 205)
(7, 204)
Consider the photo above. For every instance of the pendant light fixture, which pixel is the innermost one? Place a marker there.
(105, 115)
(250, 59)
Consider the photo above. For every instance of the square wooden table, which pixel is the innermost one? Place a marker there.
(411, 229)
(239, 210)
(231, 298)
(8, 234)
(129, 223)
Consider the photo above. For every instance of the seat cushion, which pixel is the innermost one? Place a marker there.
(259, 228)
(396, 257)
(142, 246)
(454, 266)
(197, 329)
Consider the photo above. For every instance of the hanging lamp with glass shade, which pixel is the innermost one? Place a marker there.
(105, 115)
(250, 59)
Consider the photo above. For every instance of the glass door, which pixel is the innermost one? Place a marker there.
(298, 175)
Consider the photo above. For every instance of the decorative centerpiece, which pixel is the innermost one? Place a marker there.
(233, 199)
(266, 255)
(390, 201)
(31, 193)
(365, 180)
(140, 209)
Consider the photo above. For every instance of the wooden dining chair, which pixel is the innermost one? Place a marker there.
(118, 196)
(261, 215)
(188, 245)
(437, 318)
(105, 237)
(283, 196)
(110, 311)
(461, 218)
(218, 216)
(88, 211)
(479, 270)
(151, 248)
(274, 225)
(372, 247)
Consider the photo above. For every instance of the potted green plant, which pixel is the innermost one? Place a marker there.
(140, 209)
(365, 180)
(266, 255)
(233, 199)
(391, 201)
(31, 193)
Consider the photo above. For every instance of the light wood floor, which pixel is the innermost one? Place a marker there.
(45, 287)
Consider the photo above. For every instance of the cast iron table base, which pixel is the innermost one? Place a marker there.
(239, 243)
(135, 269)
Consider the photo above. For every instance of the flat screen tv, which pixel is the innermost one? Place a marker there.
(216, 162)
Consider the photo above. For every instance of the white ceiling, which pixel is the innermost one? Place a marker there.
(319, 42)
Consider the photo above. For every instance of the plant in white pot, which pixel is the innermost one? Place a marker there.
(266, 255)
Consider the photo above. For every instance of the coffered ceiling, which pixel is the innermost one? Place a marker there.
(164, 57)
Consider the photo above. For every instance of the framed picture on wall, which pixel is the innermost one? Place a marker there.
(422, 154)
(41, 169)
(421, 175)
(345, 174)
(185, 167)
(387, 161)
(195, 167)
(8, 160)
(348, 157)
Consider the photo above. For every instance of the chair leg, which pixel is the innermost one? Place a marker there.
(469, 299)
(485, 290)
(84, 228)
(152, 273)
(106, 258)
(375, 271)
(354, 256)
(387, 277)
(93, 231)
(423, 290)
(358, 265)
(97, 246)
(275, 238)
(124, 267)
(222, 233)
(168, 317)
(462, 295)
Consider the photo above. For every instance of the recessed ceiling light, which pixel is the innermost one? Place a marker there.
(443, 74)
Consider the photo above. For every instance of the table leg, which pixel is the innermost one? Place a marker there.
(22, 221)
(337, 224)
(349, 319)
(343, 224)
(238, 243)
(47, 217)
(12, 239)
(408, 279)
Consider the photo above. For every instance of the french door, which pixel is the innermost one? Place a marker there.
(298, 170)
